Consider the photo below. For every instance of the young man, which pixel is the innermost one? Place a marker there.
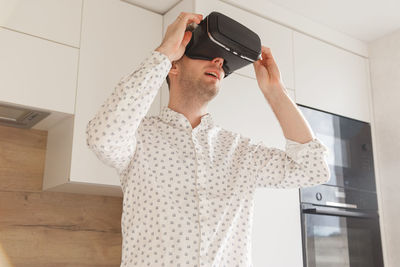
(188, 184)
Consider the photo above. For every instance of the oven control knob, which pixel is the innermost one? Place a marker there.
(318, 196)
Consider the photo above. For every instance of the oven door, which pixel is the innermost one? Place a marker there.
(350, 145)
(335, 237)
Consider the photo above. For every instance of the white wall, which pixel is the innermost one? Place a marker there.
(385, 82)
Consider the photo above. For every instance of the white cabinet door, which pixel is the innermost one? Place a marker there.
(277, 228)
(116, 38)
(272, 35)
(56, 20)
(110, 49)
(330, 79)
(37, 73)
(276, 238)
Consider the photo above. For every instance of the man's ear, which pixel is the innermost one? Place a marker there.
(174, 68)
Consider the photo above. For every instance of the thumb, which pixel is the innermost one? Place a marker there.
(186, 38)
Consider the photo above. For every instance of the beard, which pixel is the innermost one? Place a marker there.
(199, 88)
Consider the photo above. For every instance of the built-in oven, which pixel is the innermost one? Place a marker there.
(340, 228)
(340, 219)
(349, 142)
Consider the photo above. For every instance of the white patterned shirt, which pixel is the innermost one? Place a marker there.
(188, 193)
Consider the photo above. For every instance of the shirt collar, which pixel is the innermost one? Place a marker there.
(179, 120)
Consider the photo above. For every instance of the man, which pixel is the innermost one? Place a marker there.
(188, 184)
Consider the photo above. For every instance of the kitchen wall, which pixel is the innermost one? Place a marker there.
(385, 82)
(60, 229)
(50, 228)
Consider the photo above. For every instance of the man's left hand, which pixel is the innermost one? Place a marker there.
(267, 72)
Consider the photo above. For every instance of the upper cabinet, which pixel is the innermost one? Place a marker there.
(37, 73)
(330, 78)
(39, 55)
(241, 107)
(55, 20)
(116, 38)
(272, 35)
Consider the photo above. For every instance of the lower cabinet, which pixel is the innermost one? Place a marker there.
(277, 228)
(116, 37)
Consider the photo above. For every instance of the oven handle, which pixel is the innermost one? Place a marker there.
(312, 209)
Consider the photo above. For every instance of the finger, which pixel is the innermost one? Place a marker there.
(267, 58)
(266, 53)
(265, 49)
(186, 38)
(259, 67)
(185, 19)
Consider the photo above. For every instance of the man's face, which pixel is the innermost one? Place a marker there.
(195, 75)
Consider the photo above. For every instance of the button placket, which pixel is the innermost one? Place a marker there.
(200, 193)
(203, 226)
(200, 166)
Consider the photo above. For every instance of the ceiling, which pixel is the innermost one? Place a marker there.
(365, 20)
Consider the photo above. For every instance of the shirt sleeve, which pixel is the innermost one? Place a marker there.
(300, 165)
(111, 133)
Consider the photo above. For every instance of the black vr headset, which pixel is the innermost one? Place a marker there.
(220, 36)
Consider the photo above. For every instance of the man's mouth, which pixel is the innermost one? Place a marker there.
(212, 74)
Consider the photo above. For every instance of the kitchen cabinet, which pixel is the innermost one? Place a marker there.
(55, 20)
(293, 19)
(330, 79)
(37, 73)
(116, 38)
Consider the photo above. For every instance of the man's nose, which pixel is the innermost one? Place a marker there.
(219, 61)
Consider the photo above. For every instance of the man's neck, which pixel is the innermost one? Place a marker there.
(192, 112)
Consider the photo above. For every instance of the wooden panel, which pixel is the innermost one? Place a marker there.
(50, 228)
(56, 210)
(22, 158)
(43, 246)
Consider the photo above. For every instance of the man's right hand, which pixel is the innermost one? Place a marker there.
(176, 39)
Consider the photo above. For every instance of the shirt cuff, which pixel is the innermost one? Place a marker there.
(297, 151)
(162, 58)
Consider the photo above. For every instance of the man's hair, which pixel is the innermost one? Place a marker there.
(167, 81)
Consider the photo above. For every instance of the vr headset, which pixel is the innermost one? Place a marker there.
(220, 36)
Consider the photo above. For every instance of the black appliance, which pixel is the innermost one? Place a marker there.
(340, 228)
(340, 219)
(350, 148)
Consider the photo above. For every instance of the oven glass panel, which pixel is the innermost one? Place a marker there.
(333, 241)
(349, 142)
